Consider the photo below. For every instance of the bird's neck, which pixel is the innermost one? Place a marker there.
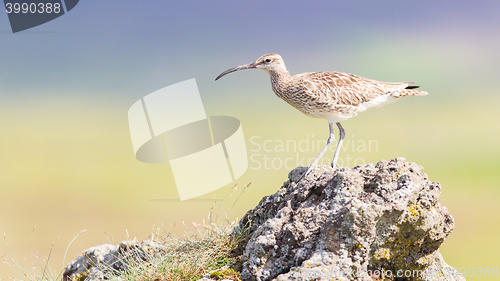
(280, 81)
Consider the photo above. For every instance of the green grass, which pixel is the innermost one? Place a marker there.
(211, 247)
(203, 248)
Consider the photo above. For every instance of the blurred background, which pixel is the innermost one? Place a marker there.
(66, 158)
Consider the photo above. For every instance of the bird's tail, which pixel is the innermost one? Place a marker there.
(408, 90)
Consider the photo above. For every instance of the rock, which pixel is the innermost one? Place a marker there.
(363, 223)
(94, 263)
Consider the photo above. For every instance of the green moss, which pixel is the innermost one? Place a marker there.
(227, 273)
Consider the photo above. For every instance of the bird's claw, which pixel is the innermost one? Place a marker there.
(305, 174)
(334, 166)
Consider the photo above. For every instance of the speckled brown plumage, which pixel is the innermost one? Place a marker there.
(335, 96)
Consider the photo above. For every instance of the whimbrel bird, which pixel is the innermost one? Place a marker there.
(335, 96)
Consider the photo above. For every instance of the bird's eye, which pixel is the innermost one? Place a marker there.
(268, 60)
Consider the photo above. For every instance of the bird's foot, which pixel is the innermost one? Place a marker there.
(335, 165)
(306, 173)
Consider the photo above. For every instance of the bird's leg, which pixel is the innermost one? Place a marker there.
(337, 150)
(329, 142)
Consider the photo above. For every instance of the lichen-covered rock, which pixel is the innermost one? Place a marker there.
(363, 223)
(94, 263)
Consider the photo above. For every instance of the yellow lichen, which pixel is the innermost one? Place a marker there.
(81, 276)
(382, 253)
(415, 213)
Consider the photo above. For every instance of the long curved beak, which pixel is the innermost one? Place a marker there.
(246, 66)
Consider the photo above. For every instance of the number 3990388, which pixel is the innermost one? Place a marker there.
(33, 8)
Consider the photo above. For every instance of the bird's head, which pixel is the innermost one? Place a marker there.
(268, 63)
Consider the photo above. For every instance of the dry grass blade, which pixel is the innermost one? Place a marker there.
(188, 258)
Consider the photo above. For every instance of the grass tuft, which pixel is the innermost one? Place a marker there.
(189, 258)
(214, 247)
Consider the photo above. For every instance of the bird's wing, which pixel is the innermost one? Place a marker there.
(346, 88)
